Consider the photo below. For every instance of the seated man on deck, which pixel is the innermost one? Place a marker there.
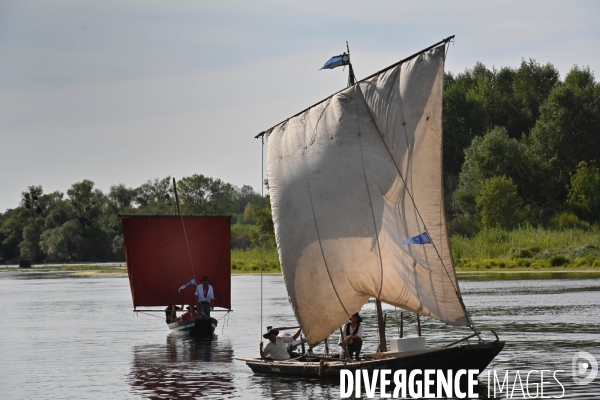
(206, 296)
(171, 314)
(276, 349)
(351, 338)
(191, 313)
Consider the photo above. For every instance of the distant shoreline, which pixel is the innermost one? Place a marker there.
(120, 270)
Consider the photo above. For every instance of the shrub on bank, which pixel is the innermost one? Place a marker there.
(527, 247)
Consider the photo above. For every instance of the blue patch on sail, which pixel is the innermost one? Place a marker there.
(191, 282)
(333, 62)
(423, 238)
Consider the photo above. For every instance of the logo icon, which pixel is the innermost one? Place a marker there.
(584, 368)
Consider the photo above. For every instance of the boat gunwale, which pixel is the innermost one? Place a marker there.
(397, 355)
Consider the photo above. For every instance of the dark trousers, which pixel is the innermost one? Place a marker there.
(354, 348)
(205, 309)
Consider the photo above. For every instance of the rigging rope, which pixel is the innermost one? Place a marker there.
(184, 232)
(362, 157)
(262, 204)
(189, 251)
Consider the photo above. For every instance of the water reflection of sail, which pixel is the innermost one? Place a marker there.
(183, 367)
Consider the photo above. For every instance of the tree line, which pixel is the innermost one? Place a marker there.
(520, 147)
(84, 225)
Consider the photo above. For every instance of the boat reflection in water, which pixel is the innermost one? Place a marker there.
(184, 367)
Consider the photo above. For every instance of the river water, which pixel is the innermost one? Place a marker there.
(67, 337)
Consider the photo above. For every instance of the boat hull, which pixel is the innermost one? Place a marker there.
(202, 328)
(477, 356)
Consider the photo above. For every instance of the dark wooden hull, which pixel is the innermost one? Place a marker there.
(201, 328)
(475, 356)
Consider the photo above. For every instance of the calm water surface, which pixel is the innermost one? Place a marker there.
(78, 338)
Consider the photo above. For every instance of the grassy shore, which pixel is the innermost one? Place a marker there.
(117, 270)
(522, 250)
(528, 249)
(249, 261)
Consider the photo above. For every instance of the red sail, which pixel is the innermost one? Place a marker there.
(158, 261)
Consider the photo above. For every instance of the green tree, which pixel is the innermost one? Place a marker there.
(221, 197)
(584, 192)
(244, 196)
(120, 201)
(64, 243)
(567, 131)
(195, 193)
(248, 216)
(200, 194)
(60, 213)
(29, 246)
(155, 197)
(86, 202)
(464, 116)
(11, 232)
(88, 206)
(479, 99)
(264, 234)
(121, 197)
(29, 200)
(500, 205)
(488, 156)
(532, 86)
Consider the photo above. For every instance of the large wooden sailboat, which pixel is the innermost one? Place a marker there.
(167, 254)
(356, 193)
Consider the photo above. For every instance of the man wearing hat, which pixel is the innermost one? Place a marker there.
(206, 297)
(276, 348)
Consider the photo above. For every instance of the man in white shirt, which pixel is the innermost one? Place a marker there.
(206, 297)
(276, 348)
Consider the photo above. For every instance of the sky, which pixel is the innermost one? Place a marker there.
(123, 92)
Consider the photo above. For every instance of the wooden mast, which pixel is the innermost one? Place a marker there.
(351, 77)
(381, 325)
(176, 197)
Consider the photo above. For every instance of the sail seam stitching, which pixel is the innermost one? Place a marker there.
(370, 203)
(314, 135)
(409, 166)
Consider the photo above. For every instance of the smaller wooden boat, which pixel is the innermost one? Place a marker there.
(165, 254)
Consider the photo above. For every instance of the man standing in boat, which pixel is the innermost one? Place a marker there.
(206, 297)
(351, 339)
(276, 348)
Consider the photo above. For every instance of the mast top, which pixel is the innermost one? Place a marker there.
(444, 41)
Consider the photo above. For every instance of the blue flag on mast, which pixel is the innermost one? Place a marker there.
(191, 282)
(337, 61)
(423, 238)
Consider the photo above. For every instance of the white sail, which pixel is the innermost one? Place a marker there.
(350, 179)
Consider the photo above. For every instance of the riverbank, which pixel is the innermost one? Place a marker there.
(88, 270)
(524, 250)
(121, 272)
